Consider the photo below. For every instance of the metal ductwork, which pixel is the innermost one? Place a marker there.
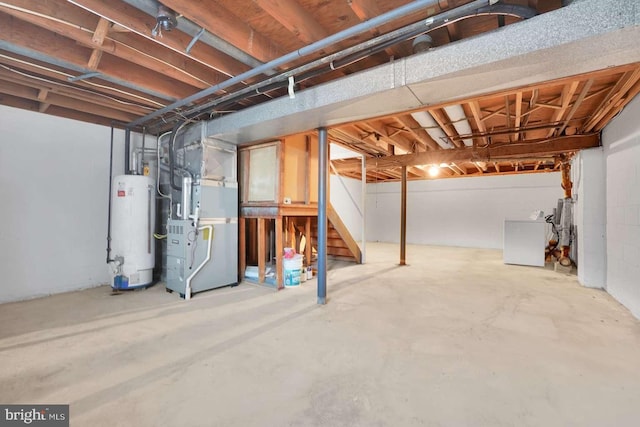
(422, 43)
(404, 34)
(151, 6)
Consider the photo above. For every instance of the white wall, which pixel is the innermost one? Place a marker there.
(468, 212)
(621, 141)
(54, 177)
(589, 194)
(346, 199)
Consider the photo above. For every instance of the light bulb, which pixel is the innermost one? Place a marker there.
(434, 171)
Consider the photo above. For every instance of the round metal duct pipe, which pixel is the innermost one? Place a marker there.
(422, 43)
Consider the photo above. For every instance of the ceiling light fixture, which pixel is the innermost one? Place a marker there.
(434, 171)
(166, 20)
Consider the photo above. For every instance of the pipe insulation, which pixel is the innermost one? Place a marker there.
(428, 123)
(460, 123)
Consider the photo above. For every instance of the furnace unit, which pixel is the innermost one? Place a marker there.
(202, 229)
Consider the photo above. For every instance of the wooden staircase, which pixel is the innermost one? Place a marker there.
(340, 243)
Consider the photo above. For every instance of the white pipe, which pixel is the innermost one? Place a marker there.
(186, 197)
(187, 289)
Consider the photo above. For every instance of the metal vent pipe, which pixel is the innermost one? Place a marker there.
(309, 49)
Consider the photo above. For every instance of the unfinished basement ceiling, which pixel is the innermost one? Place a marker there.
(110, 63)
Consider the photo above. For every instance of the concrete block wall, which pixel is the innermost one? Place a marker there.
(590, 211)
(54, 181)
(466, 212)
(621, 141)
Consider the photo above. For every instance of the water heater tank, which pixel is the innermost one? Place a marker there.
(132, 228)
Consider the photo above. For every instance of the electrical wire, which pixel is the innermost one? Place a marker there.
(80, 89)
(550, 219)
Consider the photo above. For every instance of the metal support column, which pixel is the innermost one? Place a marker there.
(127, 151)
(363, 250)
(323, 178)
(403, 217)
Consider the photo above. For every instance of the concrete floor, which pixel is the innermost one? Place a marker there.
(456, 338)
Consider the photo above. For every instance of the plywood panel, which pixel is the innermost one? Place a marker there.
(263, 174)
(295, 168)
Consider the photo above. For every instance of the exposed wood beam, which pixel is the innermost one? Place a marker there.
(94, 59)
(557, 82)
(457, 170)
(474, 106)
(378, 129)
(367, 9)
(567, 95)
(417, 171)
(420, 134)
(536, 148)
(146, 54)
(294, 18)
(101, 31)
(98, 39)
(42, 95)
(578, 102)
(394, 130)
(453, 32)
(615, 95)
(227, 26)
(619, 106)
(366, 137)
(443, 121)
(54, 110)
(141, 23)
(499, 111)
(46, 87)
(357, 142)
(532, 103)
(40, 40)
(599, 92)
(57, 75)
(166, 61)
(518, 115)
(15, 89)
(507, 109)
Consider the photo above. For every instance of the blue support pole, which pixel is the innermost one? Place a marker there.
(323, 179)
